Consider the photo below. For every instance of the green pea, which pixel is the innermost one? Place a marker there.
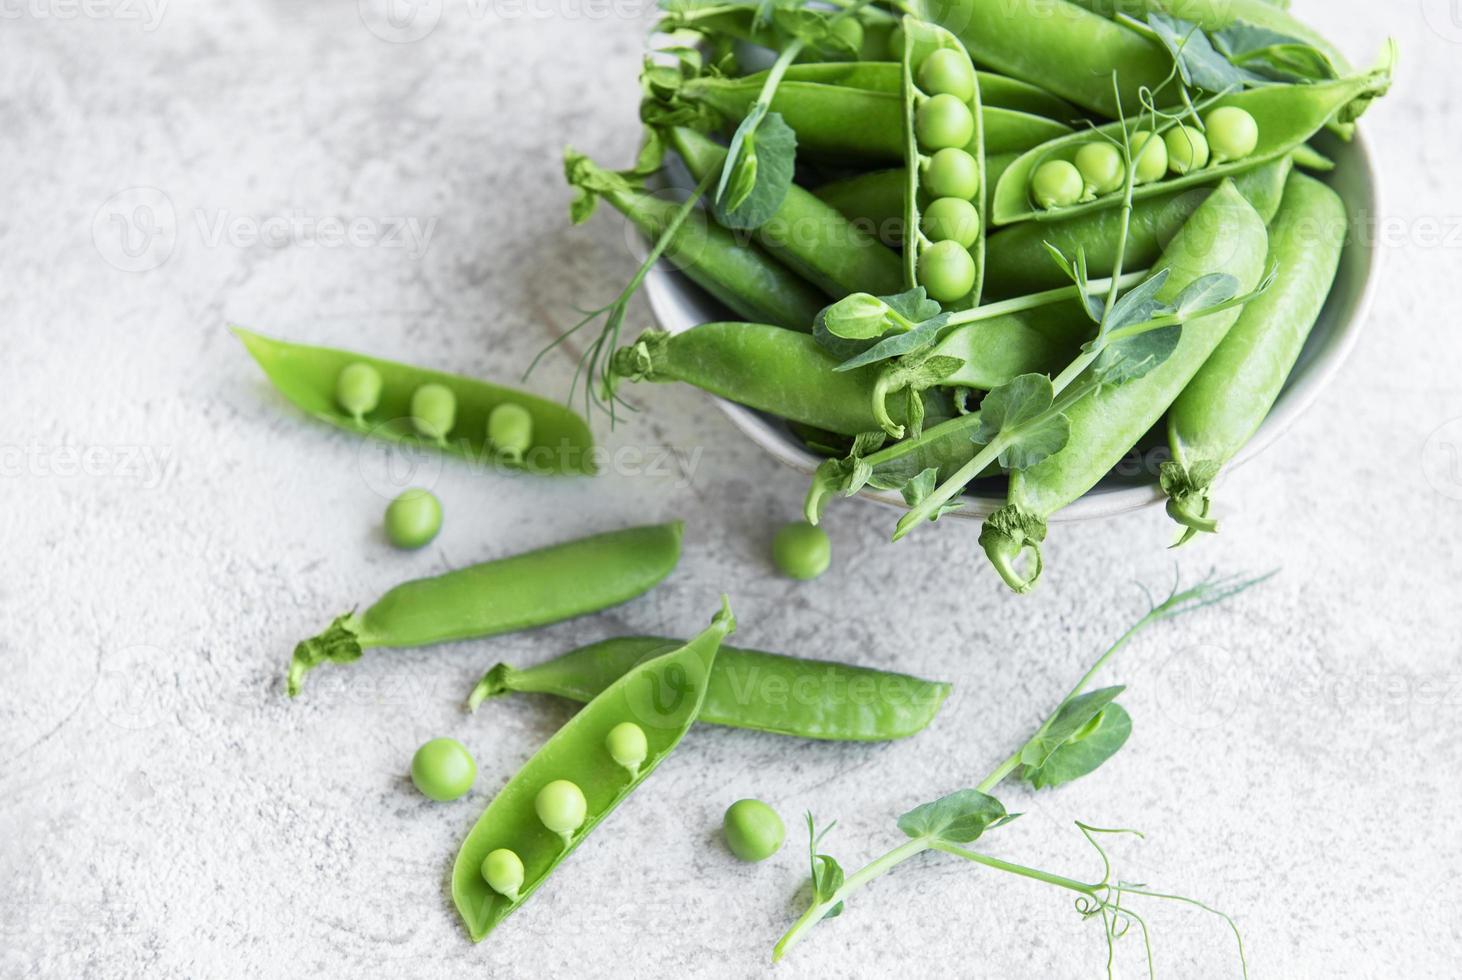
(952, 172)
(443, 769)
(434, 411)
(510, 430)
(850, 31)
(358, 389)
(1232, 133)
(562, 808)
(413, 518)
(1102, 168)
(502, 869)
(944, 121)
(1187, 149)
(946, 271)
(753, 830)
(801, 550)
(1151, 155)
(947, 72)
(1057, 184)
(627, 745)
(952, 219)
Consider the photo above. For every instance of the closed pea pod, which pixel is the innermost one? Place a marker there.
(807, 235)
(747, 689)
(1225, 235)
(662, 696)
(309, 377)
(532, 589)
(1225, 403)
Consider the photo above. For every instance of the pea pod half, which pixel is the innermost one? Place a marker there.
(1225, 403)
(809, 237)
(944, 163)
(516, 593)
(308, 376)
(767, 692)
(1287, 116)
(661, 696)
(1225, 235)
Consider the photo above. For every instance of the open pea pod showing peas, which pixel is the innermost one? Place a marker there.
(1280, 119)
(579, 776)
(318, 380)
(944, 164)
(765, 692)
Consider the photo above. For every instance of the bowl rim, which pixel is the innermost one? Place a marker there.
(1300, 393)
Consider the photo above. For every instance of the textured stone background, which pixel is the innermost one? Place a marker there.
(170, 528)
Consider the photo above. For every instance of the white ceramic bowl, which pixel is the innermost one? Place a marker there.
(678, 304)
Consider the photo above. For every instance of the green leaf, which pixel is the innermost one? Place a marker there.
(759, 166)
(1205, 292)
(1022, 412)
(1084, 755)
(860, 316)
(1198, 63)
(918, 489)
(1139, 304)
(1068, 723)
(814, 29)
(925, 335)
(904, 313)
(1134, 357)
(958, 818)
(1276, 56)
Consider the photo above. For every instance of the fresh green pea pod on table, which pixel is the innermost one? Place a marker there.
(740, 275)
(764, 367)
(834, 115)
(561, 442)
(1018, 262)
(1226, 402)
(811, 238)
(944, 160)
(501, 596)
(766, 692)
(1225, 235)
(660, 698)
(1065, 49)
(1286, 116)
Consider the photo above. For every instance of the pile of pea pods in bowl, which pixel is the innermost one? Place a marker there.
(1022, 262)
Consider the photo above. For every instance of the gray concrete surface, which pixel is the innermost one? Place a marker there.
(169, 528)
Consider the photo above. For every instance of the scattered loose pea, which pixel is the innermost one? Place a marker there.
(952, 172)
(1187, 149)
(627, 745)
(801, 550)
(502, 869)
(947, 72)
(1151, 154)
(510, 430)
(1057, 184)
(951, 219)
(1232, 133)
(1102, 168)
(562, 808)
(443, 769)
(946, 271)
(413, 518)
(358, 389)
(434, 411)
(753, 830)
(944, 121)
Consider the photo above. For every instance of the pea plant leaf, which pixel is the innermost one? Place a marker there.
(1136, 356)
(1022, 412)
(1139, 304)
(859, 316)
(1205, 292)
(759, 165)
(827, 874)
(1274, 55)
(1082, 755)
(1069, 722)
(917, 490)
(1198, 63)
(1076, 271)
(924, 335)
(959, 818)
(856, 328)
(814, 28)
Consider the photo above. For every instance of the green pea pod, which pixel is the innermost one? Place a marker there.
(662, 696)
(761, 366)
(1059, 46)
(998, 350)
(1225, 403)
(834, 113)
(307, 376)
(765, 692)
(809, 237)
(1018, 262)
(501, 596)
(744, 278)
(1288, 115)
(1225, 235)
